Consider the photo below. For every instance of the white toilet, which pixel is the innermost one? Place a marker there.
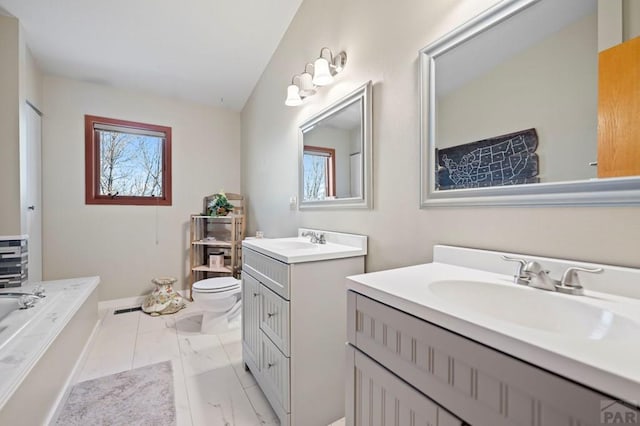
(220, 300)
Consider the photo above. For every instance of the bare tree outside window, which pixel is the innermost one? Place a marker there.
(315, 177)
(127, 162)
(319, 173)
(130, 165)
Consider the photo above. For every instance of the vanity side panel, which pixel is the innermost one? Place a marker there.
(35, 399)
(501, 390)
(318, 337)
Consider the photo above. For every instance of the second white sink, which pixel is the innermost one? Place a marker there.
(536, 309)
(300, 249)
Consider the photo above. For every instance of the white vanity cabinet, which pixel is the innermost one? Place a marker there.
(476, 383)
(294, 333)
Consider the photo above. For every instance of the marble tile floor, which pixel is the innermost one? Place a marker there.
(211, 386)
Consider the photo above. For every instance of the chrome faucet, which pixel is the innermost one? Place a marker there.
(532, 274)
(570, 283)
(519, 277)
(316, 237)
(539, 278)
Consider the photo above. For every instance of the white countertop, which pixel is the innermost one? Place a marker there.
(299, 249)
(13, 237)
(608, 363)
(37, 328)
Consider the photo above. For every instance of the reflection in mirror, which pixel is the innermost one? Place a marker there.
(334, 147)
(510, 109)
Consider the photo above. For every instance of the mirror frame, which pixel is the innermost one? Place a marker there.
(622, 191)
(365, 201)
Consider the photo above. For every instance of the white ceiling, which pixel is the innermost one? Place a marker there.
(207, 51)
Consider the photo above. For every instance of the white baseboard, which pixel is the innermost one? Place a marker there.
(127, 302)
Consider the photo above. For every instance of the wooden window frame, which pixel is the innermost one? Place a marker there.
(331, 166)
(92, 164)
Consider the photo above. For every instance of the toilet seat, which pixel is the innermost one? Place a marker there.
(217, 285)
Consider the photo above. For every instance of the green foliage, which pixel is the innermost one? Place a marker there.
(219, 205)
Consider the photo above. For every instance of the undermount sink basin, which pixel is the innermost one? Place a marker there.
(536, 309)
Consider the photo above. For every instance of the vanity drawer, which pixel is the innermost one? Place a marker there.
(270, 272)
(274, 318)
(378, 397)
(477, 383)
(274, 372)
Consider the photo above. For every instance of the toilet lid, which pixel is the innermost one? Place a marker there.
(216, 284)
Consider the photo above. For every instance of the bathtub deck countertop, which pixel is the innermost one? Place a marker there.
(608, 364)
(30, 332)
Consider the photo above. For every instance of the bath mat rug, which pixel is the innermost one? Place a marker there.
(141, 397)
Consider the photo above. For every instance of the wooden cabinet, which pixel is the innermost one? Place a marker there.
(475, 383)
(294, 332)
(213, 235)
(618, 110)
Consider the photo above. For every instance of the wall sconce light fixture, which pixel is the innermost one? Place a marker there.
(327, 65)
(293, 93)
(320, 73)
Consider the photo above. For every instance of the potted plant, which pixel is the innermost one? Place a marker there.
(219, 205)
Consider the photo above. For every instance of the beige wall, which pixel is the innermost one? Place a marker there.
(119, 242)
(9, 127)
(382, 40)
(20, 81)
(535, 97)
(618, 21)
(631, 19)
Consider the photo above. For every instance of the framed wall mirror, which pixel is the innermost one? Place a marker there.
(335, 154)
(514, 108)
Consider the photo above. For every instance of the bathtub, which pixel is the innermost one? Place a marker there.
(40, 348)
(7, 305)
(14, 321)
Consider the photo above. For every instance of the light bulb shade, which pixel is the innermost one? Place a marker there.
(306, 85)
(293, 96)
(321, 74)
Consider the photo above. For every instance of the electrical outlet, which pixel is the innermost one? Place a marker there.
(293, 202)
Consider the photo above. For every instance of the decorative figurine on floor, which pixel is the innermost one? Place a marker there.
(163, 300)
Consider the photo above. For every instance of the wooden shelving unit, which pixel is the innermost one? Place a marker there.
(216, 234)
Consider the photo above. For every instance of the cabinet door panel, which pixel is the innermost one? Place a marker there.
(274, 318)
(275, 372)
(250, 320)
(381, 398)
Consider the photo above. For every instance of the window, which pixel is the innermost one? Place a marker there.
(319, 165)
(127, 162)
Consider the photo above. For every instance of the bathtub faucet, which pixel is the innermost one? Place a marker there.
(27, 301)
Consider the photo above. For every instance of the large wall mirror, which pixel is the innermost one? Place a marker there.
(335, 154)
(519, 107)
